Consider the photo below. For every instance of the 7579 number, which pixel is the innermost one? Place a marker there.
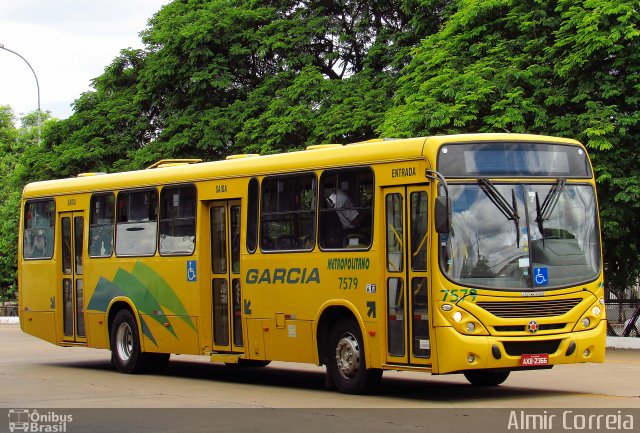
(456, 294)
(347, 283)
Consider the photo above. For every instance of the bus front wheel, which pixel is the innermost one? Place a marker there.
(486, 377)
(347, 365)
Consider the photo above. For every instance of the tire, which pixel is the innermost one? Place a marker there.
(125, 343)
(346, 365)
(486, 377)
(126, 355)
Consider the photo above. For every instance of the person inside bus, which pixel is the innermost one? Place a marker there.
(39, 242)
(346, 214)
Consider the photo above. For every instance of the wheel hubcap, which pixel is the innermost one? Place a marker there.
(124, 339)
(348, 356)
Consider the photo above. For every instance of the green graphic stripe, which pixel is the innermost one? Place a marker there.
(146, 331)
(147, 290)
(104, 292)
(159, 288)
(141, 297)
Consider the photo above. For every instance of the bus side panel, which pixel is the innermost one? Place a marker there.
(374, 343)
(255, 339)
(41, 324)
(169, 334)
(37, 299)
(154, 288)
(289, 340)
(97, 330)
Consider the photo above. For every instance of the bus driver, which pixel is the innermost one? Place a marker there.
(347, 215)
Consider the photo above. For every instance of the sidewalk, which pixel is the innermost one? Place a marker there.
(623, 342)
(612, 342)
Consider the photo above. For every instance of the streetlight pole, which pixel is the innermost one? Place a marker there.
(37, 85)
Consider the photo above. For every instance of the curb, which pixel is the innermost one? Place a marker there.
(623, 343)
(10, 320)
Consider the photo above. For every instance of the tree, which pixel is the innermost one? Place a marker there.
(237, 76)
(107, 127)
(218, 77)
(560, 68)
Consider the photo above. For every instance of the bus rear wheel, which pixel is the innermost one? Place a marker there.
(486, 377)
(126, 355)
(347, 363)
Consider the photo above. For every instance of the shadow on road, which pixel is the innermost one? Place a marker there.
(279, 376)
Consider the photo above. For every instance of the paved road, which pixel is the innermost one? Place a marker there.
(34, 373)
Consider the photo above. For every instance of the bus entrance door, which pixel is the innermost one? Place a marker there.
(225, 276)
(72, 229)
(407, 275)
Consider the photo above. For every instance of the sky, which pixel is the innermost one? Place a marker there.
(68, 43)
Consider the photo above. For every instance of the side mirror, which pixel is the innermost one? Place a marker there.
(443, 214)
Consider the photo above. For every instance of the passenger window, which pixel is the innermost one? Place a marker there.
(419, 230)
(136, 226)
(346, 208)
(39, 219)
(178, 220)
(101, 225)
(252, 215)
(288, 213)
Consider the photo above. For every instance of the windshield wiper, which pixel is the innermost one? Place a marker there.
(510, 211)
(543, 213)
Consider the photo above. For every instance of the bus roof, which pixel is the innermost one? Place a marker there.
(316, 157)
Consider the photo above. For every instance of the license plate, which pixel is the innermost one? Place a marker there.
(533, 360)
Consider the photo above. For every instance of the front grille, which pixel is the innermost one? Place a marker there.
(517, 348)
(522, 328)
(524, 309)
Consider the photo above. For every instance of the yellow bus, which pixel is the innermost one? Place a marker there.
(477, 254)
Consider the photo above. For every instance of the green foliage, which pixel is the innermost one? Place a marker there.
(8, 227)
(560, 67)
(218, 77)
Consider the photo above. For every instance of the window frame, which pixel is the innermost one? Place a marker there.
(160, 219)
(52, 226)
(117, 222)
(336, 173)
(311, 211)
(113, 224)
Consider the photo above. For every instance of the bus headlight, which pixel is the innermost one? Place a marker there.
(463, 321)
(591, 318)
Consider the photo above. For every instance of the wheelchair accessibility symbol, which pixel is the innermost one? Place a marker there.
(540, 277)
(191, 270)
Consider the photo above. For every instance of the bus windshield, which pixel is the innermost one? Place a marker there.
(514, 236)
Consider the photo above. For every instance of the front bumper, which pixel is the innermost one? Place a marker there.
(458, 352)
